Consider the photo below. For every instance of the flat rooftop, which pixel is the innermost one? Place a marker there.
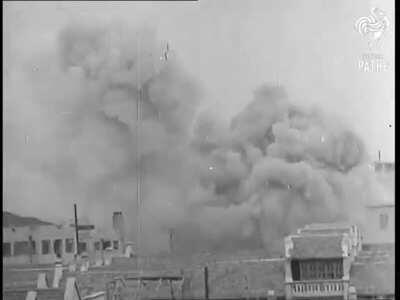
(241, 278)
(317, 246)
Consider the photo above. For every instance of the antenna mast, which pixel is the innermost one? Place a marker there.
(76, 230)
(138, 160)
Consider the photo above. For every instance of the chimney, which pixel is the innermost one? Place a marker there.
(171, 240)
(119, 225)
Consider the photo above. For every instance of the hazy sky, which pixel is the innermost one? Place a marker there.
(311, 47)
(231, 47)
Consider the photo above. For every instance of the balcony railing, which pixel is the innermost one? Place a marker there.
(317, 288)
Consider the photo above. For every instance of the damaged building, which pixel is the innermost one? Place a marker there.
(341, 261)
(36, 242)
(330, 261)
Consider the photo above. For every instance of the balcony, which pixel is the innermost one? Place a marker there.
(317, 288)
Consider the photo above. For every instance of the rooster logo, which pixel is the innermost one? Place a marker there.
(373, 27)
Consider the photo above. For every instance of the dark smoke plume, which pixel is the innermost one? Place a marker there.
(246, 184)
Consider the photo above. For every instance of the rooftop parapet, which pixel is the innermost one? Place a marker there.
(337, 225)
(335, 228)
(305, 231)
(318, 246)
(381, 166)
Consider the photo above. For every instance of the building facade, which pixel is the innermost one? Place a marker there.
(329, 261)
(380, 226)
(43, 244)
(318, 260)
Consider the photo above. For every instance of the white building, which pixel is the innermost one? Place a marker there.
(380, 226)
(41, 244)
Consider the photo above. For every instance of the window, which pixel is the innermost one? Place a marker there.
(116, 245)
(97, 246)
(339, 270)
(321, 273)
(383, 221)
(82, 247)
(295, 270)
(6, 249)
(69, 245)
(317, 269)
(330, 271)
(22, 248)
(57, 246)
(45, 246)
(366, 247)
(106, 244)
(33, 245)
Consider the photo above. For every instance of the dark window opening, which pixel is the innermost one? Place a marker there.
(6, 249)
(57, 247)
(115, 245)
(295, 270)
(317, 269)
(383, 221)
(97, 246)
(33, 247)
(82, 247)
(366, 247)
(22, 248)
(106, 244)
(69, 245)
(45, 246)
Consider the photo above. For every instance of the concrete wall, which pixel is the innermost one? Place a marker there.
(38, 234)
(373, 233)
(52, 233)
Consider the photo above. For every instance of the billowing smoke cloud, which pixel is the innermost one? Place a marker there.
(283, 166)
(275, 167)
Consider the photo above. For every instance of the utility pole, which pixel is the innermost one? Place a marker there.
(138, 158)
(31, 248)
(206, 290)
(138, 148)
(171, 240)
(76, 230)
